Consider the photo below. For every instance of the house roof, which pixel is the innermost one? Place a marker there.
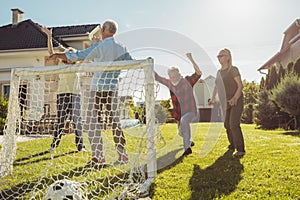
(291, 35)
(28, 35)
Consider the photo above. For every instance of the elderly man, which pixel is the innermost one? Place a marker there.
(184, 105)
(103, 90)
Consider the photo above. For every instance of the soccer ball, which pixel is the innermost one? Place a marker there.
(63, 190)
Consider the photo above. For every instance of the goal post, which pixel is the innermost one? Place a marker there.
(35, 113)
(8, 150)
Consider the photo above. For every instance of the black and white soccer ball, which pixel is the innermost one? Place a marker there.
(64, 190)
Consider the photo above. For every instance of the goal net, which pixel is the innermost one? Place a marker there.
(91, 124)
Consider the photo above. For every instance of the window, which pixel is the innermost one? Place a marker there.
(5, 90)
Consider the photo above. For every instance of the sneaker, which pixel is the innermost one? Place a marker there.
(192, 143)
(238, 153)
(187, 152)
(123, 159)
(96, 161)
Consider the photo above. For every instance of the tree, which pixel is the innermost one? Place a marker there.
(262, 84)
(273, 78)
(297, 67)
(281, 73)
(250, 91)
(166, 105)
(290, 67)
(265, 112)
(161, 114)
(286, 95)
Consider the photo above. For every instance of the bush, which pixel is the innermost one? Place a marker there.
(286, 95)
(247, 115)
(265, 112)
(3, 113)
(250, 91)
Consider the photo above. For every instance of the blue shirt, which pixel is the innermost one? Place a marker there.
(105, 51)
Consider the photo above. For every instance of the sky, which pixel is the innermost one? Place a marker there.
(166, 29)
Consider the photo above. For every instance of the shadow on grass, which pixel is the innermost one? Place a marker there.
(20, 163)
(18, 191)
(32, 156)
(168, 161)
(221, 178)
(292, 133)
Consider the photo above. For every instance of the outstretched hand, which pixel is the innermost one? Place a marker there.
(189, 55)
(197, 70)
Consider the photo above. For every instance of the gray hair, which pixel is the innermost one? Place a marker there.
(111, 26)
(173, 69)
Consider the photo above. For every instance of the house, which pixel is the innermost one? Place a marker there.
(23, 44)
(290, 48)
(203, 90)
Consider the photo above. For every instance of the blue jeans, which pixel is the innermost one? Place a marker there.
(185, 129)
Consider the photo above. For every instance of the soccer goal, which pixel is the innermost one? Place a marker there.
(61, 117)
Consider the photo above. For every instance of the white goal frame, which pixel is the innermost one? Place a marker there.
(13, 129)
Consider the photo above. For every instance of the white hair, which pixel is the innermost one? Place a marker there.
(173, 69)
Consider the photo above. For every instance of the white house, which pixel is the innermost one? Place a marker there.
(23, 44)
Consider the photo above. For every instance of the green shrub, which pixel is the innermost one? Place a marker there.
(247, 115)
(3, 113)
(265, 116)
(287, 96)
(250, 90)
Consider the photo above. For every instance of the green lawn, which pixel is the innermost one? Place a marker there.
(269, 170)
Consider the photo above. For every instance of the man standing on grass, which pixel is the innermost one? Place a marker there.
(104, 91)
(184, 105)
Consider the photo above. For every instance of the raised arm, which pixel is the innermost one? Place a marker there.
(197, 70)
(49, 36)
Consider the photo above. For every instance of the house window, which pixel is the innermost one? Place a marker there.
(5, 90)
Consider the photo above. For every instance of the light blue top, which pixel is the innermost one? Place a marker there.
(105, 51)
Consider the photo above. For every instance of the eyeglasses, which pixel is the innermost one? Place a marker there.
(221, 55)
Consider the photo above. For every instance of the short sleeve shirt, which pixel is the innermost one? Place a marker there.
(226, 84)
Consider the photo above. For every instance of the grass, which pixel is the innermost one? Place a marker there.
(269, 170)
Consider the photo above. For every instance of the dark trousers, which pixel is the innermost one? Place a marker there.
(232, 123)
(68, 108)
